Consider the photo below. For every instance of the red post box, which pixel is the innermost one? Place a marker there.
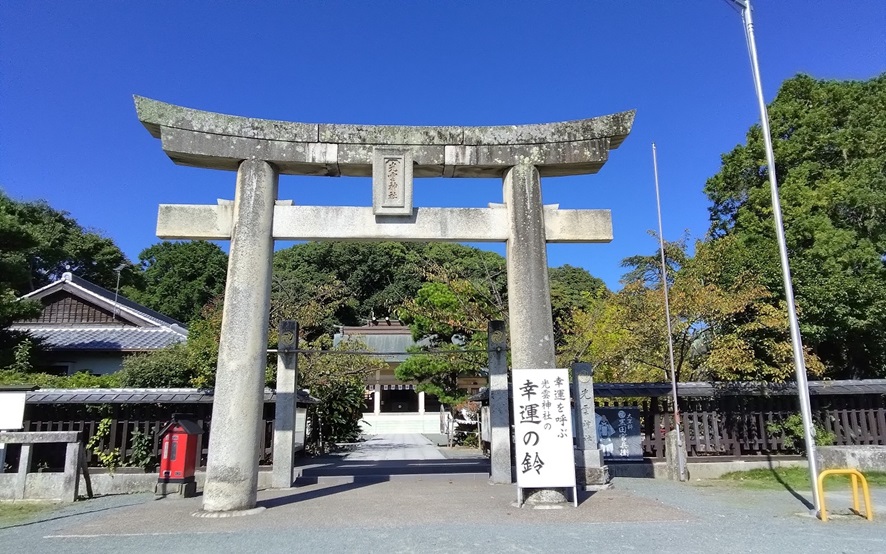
(178, 458)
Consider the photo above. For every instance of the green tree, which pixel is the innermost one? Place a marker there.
(829, 139)
(365, 279)
(368, 278)
(179, 278)
(336, 377)
(720, 331)
(59, 244)
(14, 241)
(451, 313)
(572, 288)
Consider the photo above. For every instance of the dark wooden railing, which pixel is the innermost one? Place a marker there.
(734, 420)
(745, 426)
(121, 433)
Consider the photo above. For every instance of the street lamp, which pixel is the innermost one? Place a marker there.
(796, 340)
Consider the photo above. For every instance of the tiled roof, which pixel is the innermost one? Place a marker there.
(139, 396)
(390, 341)
(144, 329)
(107, 338)
(101, 296)
(699, 389)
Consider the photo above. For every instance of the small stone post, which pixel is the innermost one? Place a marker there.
(232, 465)
(285, 407)
(501, 470)
(529, 289)
(590, 471)
(672, 454)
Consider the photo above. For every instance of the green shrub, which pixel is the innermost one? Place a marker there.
(793, 436)
(337, 417)
(468, 439)
(107, 457)
(142, 451)
(81, 380)
(169, 367)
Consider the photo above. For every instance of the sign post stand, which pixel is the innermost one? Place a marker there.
(543, 431)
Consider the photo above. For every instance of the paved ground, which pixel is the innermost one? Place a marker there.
(415, 505)
(395, 447)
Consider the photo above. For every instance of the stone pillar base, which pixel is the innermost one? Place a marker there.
(545, 499)
(185, 490)
(593, 478)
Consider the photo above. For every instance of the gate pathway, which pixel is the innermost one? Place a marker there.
(395, 447)
(386, 457)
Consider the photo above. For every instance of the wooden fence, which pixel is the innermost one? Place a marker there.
(121, 434)
(735, 421)
(747, 426)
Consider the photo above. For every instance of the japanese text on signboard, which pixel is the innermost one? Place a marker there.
(543, 428)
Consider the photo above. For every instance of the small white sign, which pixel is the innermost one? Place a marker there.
(12, 410)
(543, 428)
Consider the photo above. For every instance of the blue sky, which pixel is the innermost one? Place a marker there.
(68, 70)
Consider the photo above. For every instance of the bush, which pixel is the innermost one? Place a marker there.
(337, 417)
(164, 368)
(82, 380)
(793, 436)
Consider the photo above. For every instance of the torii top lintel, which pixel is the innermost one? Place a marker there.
(212, 140)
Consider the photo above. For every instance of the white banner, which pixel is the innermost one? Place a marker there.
(12, 410)
(543, 428)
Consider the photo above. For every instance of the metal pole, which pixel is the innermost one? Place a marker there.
(796, 341)
(681, 463)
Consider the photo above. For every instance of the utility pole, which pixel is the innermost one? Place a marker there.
(678, 427)
(796, 340)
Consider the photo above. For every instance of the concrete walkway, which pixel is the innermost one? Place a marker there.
(380, 448)
(400, 493)
(382, 458)
(458, 514)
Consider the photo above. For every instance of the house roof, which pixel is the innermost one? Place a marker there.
(132, 327)
(125, 339)
(139, 396)
(391, 339)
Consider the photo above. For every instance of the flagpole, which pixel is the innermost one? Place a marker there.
(796, 340)
(681, 462)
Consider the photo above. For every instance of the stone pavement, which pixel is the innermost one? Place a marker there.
(395, 447)
(424, 508)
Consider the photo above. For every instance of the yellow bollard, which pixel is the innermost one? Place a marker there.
(856, 476)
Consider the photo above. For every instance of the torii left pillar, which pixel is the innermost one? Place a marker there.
(232, 466)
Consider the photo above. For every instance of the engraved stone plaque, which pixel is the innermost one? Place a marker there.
(391, 181)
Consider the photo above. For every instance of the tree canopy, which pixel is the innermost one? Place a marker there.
(57, 244)
(830, 151)
(178, 278)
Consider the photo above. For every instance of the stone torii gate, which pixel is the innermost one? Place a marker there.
(260, 150)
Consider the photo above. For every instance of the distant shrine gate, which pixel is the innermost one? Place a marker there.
(260, 150)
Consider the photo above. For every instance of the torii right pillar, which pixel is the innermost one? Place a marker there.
(529, 288)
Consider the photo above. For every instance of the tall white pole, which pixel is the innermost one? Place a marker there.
(681, 462)
(796, 340)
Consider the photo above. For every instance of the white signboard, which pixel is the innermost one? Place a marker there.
(12, 410)
(543, 428)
